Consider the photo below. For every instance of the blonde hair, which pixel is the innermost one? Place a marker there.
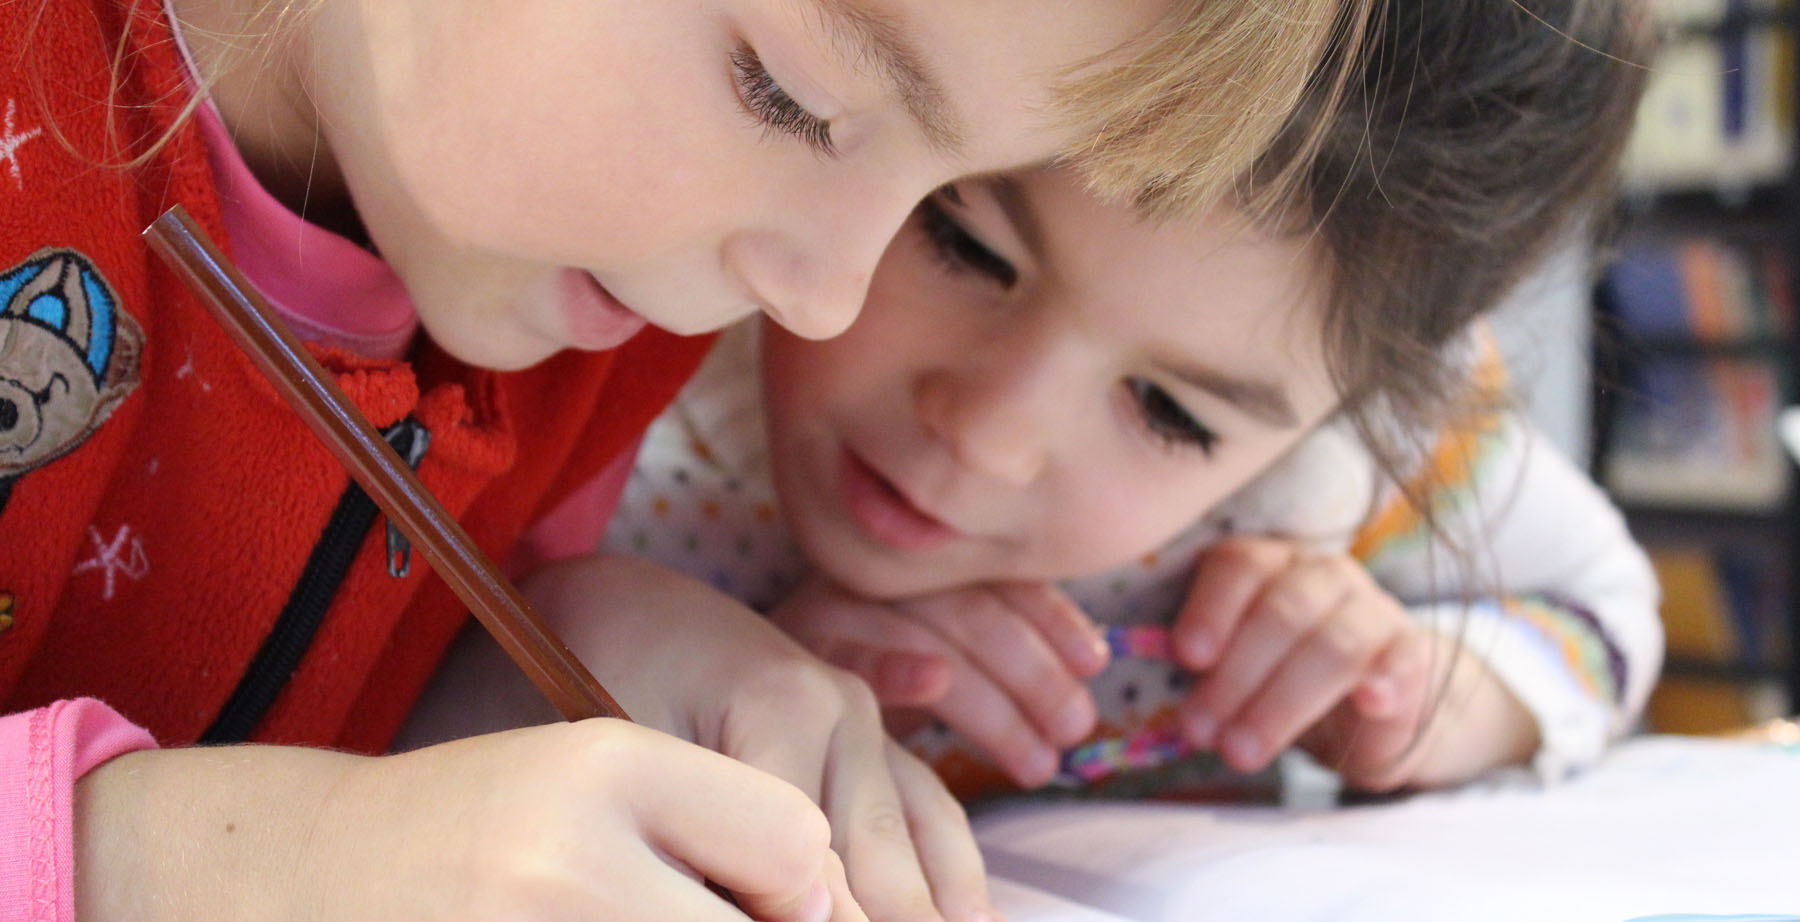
(123, 151)
(1178, 114)
(1183, 111)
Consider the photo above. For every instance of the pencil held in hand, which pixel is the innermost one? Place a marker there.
(252, 323)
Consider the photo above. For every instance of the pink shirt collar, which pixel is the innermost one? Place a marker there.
(328, 289)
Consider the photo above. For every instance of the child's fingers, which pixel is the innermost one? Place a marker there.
(1320, 671)
(1375, 755)
(847, 633)
(910, 679)
(1010, 653)
(899, 678)
(1227, 579)
(1364, 752)
(1068, 629)
(947, 849)
(871, 829)
(814, 905)
(844, 907)
(1378, 749)
(1388, 749)
(1397, 681)
(1288, 609)
(740, 828)
(827, 899)
(798, 741)
(905, 661)
(903, 722)
(987, 717)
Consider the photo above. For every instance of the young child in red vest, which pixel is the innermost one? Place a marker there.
(496, 224)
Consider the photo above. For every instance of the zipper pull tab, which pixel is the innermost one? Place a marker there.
(409, 438)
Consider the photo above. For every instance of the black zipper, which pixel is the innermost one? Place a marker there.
(326, 567)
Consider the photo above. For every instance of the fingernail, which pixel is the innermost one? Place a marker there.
(920, 675)
(1202, 727)
(817, 907)
(1074, 721)
(1099, 651)
(1199, 647)
(1241, 748)
(1381, 694)
(1040, 767)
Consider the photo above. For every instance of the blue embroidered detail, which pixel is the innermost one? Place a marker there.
(70, 356)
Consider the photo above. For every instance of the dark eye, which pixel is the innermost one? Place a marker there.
(1167, 420)
(959, 250)
(773, 107)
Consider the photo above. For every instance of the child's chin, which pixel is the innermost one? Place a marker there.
(892, 580)
(514, 359)
(494, 352)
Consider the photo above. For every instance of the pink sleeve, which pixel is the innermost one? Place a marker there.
(42, 752)
(576, 525)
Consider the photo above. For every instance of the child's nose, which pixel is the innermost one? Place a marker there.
(991, 425)
(811, 274)
(812, 294)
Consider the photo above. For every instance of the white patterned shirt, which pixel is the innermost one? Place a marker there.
(1573, 630)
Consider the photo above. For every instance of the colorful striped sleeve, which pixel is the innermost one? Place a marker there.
(1531, 568)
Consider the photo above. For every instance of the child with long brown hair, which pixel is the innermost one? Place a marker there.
(1415, 546)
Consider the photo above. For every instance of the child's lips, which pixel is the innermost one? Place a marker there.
(594, 318)
(885, 513)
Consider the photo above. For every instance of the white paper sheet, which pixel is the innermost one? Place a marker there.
(1664, 825)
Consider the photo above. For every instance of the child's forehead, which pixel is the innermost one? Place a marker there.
(957, 66)
(884, 45)
(1079, 227)
(1170, 100)
(1091, 27)
(1183, 280)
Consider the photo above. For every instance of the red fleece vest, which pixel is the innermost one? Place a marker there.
(160, 500)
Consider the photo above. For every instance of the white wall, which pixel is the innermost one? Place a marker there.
(1544, 329)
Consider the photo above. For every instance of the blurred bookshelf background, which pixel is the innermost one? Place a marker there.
(1695, 353)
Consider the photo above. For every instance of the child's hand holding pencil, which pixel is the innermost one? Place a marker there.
(596, 817)
(567, 822)
(688, 659)
(684, 658)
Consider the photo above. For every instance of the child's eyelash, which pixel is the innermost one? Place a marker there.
(772, 106)
(959, 250)
(1168, 421)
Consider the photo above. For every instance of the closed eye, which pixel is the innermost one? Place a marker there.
(959, 250)
(771, 105)
(1167, 420)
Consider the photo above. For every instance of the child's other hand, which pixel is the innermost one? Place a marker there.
(1286, 641)
(595, 820)
(1002, 664)
(1463, 727)
(682, 656)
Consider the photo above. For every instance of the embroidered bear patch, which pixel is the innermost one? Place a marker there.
(68, 356)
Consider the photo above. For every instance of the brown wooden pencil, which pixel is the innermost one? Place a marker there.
(493, 599)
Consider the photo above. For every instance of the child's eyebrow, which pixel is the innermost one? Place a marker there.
(1265, 400)
(870, 36)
